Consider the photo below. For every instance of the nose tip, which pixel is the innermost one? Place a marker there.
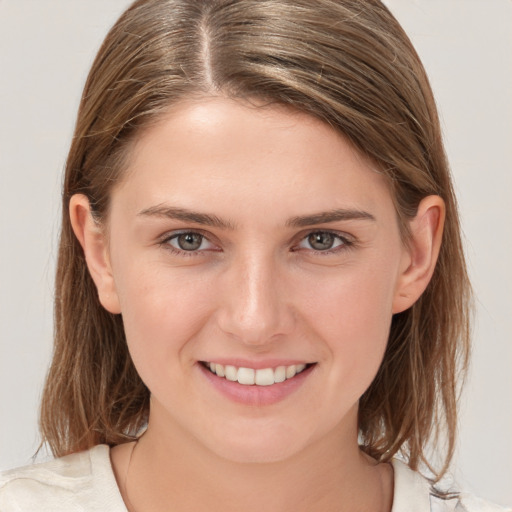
(254, 308)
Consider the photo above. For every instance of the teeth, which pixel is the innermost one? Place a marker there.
(219, 370)
(231, 373)
(264, 377)
(291, 371)
(280, 374)
(246, 376)
(260, 377)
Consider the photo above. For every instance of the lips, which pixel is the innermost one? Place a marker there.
(258, 383)
(255, 377)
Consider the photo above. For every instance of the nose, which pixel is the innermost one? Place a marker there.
(255, 304)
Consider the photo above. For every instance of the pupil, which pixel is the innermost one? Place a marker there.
(321, 241)
(190, 241)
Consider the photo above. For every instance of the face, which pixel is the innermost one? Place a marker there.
(259, 243)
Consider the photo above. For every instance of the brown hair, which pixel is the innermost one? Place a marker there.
(346, 62)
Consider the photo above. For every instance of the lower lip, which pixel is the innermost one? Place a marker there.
(256, 395)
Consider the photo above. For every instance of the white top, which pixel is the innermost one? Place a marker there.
(85, 482)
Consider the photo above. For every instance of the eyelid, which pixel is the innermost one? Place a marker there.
(348, 241)
(163, 241)
(181, 231)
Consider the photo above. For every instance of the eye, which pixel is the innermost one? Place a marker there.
(323, 241)
(189, 241)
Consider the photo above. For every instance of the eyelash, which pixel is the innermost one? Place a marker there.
(345, 244)
(167, 246)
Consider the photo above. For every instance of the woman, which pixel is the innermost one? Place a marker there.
(261, 292)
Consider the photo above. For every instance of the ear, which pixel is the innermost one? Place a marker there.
(420, 256)
(95, 245)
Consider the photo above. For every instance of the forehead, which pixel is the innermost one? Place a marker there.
(245, 154)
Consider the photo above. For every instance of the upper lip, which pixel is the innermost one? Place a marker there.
(256, 365)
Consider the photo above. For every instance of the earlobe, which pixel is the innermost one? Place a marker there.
(94, 244)
(420, 257)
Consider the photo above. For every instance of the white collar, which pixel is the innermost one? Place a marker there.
(411, 492)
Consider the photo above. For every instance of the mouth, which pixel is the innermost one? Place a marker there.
(256, 377)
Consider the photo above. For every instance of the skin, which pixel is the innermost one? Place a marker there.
(256, 290)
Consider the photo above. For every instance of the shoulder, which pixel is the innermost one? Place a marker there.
(413, 492)
(78, 482)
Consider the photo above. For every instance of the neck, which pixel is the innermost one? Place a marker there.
(330, 475)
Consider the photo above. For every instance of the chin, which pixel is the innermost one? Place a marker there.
(257, 446)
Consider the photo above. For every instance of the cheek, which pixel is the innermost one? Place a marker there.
(353, 316)
(162, 312)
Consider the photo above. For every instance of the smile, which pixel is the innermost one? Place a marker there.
(259, 377)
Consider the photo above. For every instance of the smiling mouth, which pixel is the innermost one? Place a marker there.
(252, 377)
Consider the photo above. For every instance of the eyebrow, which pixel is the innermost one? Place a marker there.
(329, 216)
(172, 212)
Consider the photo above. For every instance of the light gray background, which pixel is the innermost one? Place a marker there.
(46, 48)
